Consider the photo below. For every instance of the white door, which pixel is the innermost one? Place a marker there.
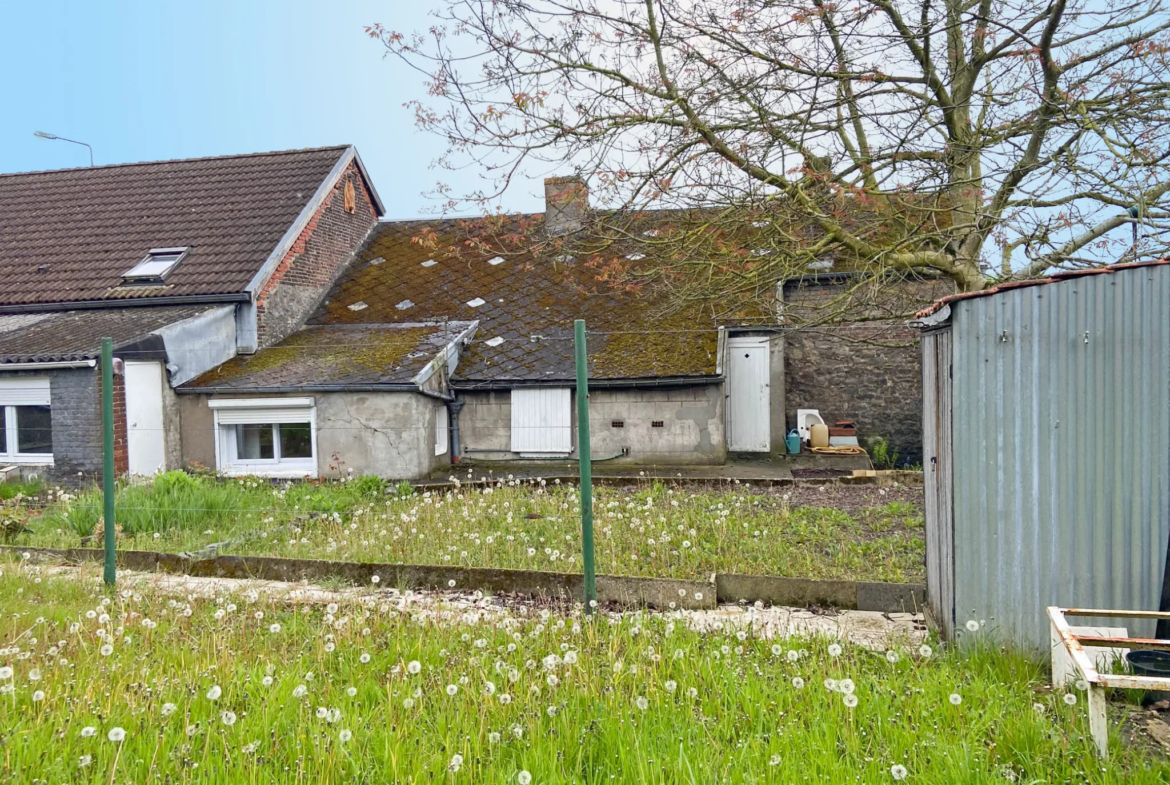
(748, 395)
(145, 443)
(542, 421)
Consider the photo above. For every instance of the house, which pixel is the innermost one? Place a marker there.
(265, 321)
(183, 264)
(500, 386)
(1047, 450)
(443, 342)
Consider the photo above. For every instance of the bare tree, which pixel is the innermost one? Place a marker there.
(978, 139)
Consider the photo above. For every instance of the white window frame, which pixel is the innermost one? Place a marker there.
(442, 430)
(22, 392)
(263, 411)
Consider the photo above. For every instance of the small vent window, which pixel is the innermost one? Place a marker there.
(158, 264)
(657, 424)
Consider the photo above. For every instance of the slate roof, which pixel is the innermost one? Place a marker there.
(69, 235)
(328, 357)
(525, 306)
(57, 336)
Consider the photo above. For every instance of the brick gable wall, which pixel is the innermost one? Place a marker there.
(324, 248)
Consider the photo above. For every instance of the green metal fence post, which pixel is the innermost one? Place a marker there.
(108, 454)
(585, 462)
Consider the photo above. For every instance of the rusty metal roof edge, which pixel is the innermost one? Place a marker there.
(1053, 278)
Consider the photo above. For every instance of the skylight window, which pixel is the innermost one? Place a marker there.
(158, 264)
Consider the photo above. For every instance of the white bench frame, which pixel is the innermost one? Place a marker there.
(1075, 645)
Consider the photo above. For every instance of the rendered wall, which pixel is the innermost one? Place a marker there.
(390, 434)
(691, 432)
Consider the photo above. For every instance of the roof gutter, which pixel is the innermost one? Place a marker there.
(665, 381)
(141, 302)
(47, 366)
(306, 388)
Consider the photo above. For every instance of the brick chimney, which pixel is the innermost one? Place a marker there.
(566, 203)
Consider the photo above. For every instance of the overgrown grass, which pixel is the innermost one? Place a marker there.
(10, 489)
(240, 690)
(655, 531)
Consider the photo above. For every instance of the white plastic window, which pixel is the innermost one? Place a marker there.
(26, 421)
(268, 438)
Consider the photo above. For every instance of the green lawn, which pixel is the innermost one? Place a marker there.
(137, 687)
(648, 529)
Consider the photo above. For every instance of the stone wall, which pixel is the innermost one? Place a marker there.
(866, 371)
(324, 248)
(632, 425)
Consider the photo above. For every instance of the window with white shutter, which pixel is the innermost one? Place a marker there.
(542, 422)
(268, 437)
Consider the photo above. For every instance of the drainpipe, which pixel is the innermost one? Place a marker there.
(453, 409)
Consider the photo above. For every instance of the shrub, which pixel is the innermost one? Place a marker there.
(369, 485)
(881, 454)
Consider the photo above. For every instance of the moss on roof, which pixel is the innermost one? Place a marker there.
(326, 357)
(526, 301)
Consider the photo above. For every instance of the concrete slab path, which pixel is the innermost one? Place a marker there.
(873, 630)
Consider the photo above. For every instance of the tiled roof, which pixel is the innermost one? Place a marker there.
(937, 305)
(69, 235)
(66, 336)
(335, 356)
(526, 307)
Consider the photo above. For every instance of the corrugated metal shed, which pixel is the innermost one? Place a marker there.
(1060, 450)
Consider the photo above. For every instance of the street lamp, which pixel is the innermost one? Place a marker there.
(43, 135)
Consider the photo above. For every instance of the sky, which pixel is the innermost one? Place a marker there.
(146, 81)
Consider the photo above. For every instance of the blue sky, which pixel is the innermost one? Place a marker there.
(144, 81)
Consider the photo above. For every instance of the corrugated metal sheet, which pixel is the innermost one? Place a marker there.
(1061, 442)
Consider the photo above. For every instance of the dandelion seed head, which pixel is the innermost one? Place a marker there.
(955, 699)
(898, 772)
(116, 735)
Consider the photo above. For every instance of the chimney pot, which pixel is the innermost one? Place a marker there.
(566, 203)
